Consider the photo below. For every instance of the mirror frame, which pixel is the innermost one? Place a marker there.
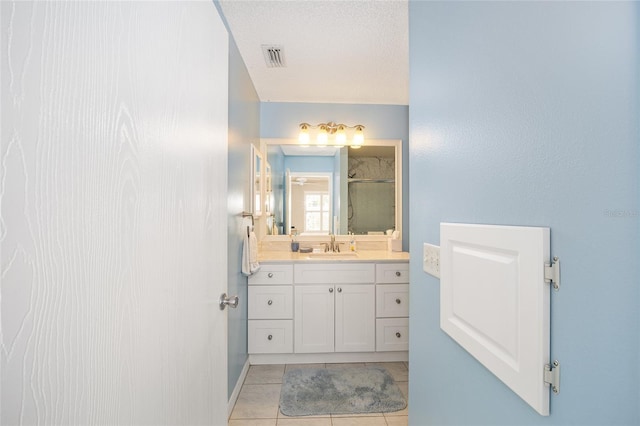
(396, 143)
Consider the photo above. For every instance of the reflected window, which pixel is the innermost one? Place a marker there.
(316, 211)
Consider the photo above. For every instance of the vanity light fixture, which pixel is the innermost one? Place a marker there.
(331, 128)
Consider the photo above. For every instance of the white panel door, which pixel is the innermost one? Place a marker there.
(113, 213)
(355, 322)
(495, 304)
(314, 318)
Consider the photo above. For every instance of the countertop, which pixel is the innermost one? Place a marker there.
(280, 256)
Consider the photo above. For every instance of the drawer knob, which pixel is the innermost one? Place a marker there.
(398, 301)
(270, 274)
(339, 289)
(270, 302)
(398, 273)
(270, 337)
(331, 290)
(398, 335)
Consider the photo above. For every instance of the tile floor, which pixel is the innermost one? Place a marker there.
(257, 404)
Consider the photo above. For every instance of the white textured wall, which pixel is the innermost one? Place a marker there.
(113, 191)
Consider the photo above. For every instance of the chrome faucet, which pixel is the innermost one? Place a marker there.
(333, 246)
(329, 246)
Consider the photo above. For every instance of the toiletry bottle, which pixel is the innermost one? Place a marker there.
(352, 243)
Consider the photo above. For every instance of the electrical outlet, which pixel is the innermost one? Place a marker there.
(431, 260)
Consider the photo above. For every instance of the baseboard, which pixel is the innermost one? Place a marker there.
(258, 359)
(236, 390)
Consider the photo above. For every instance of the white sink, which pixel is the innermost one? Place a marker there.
(334, 255)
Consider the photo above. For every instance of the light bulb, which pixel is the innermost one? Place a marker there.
(341, 136)
(323, 136)
(303, 138)
(358, 138)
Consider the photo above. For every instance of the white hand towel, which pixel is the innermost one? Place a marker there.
(250, 263)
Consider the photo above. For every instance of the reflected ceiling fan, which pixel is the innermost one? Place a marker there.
(299, 181)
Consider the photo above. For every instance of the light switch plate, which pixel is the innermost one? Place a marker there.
(431, 259)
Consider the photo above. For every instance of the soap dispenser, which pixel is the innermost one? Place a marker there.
(352, 243)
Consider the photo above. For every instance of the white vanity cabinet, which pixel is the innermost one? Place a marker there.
(343, 311)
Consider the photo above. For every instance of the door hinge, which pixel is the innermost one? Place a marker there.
(552, 376)
(552, 273)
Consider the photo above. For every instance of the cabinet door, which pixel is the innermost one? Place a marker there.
(313, 319)
(355, 325)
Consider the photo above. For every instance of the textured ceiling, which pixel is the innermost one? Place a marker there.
(334, 51)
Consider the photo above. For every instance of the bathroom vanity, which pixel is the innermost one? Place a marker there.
(314, 309)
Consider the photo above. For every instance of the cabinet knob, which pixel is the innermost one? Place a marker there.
(398, 273)
(339, 289)
(331, 290)
(398, 301)
(270, 274)
(270, 337)
(398, 335)
(270, 302)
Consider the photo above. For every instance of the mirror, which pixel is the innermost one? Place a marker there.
(268, 189)
(272, 227)
(309, 202)
(365, 184)
(256, 181)
(371, 190)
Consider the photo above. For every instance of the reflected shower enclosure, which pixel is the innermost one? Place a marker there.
(371, 192)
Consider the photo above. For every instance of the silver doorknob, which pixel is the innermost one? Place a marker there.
(224, 301)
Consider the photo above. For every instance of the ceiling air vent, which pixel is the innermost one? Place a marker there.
(274, 56)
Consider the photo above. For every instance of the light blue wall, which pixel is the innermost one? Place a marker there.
(527, 113)
(281, 120)
(244, 130)
(301, 163)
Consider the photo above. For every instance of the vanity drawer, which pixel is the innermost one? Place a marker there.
(272, 275)
(392, 273)
(270, 336)
(392, 300)
(392, 334)
(270, 302)
(333, 273)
